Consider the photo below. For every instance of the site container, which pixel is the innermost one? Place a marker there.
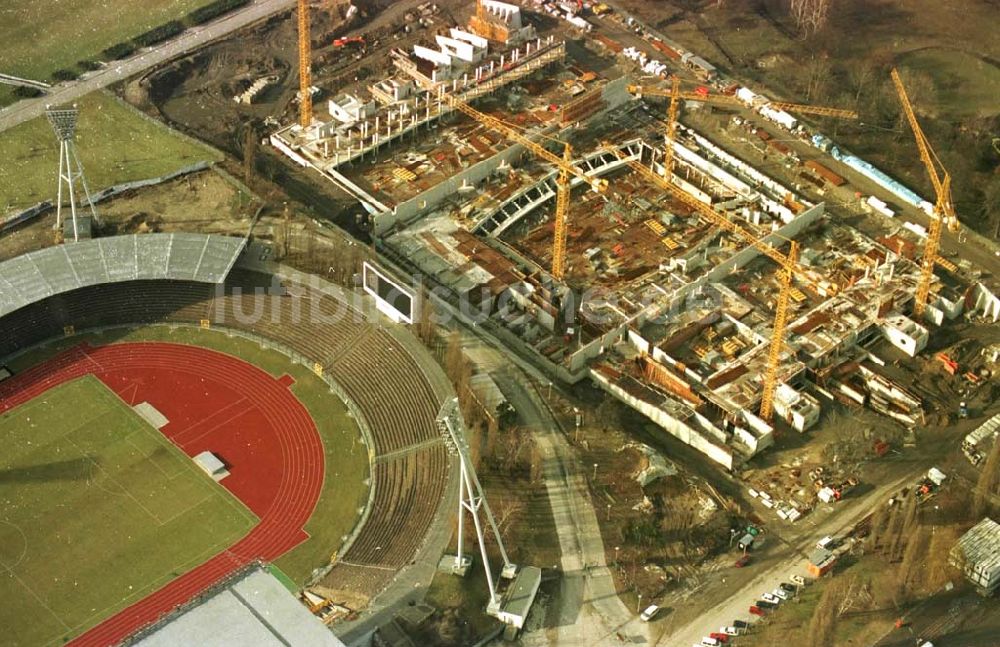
(825, 173)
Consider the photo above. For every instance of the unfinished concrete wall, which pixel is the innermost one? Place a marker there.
(615, 93)
(790, 230)
(986, 302)
(676, 428)
(426, 201)
(595, 348)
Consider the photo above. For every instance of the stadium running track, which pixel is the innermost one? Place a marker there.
(213, 401)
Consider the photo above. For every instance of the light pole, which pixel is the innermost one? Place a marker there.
(609, 512)
(638, 605)
(617, 548)
(595, 471)
(550, 391)
(578, 419)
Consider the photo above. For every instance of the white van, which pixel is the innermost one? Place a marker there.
(649, 613)
(709, 642)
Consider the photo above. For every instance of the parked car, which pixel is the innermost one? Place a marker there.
(721, 636)
(780, 593)
(798, 579)
(766, 604)
(791, 588)
(756, 610)
(773, 599)
(649, 613)
(740, 624)
(742, 561)
(729, 631)
(710, 642)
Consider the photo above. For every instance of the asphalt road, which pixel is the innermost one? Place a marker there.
(188, 41)
(737, 605)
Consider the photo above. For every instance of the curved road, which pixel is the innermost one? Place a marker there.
(145, 59)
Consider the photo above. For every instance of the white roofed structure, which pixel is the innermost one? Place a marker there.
(254, 611)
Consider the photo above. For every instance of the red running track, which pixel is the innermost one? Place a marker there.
(215, 402)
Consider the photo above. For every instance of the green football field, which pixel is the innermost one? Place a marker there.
(97, 510)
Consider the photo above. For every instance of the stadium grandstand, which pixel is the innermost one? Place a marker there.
(200, 281)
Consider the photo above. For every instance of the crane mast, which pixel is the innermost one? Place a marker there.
(562, 210)
(944, 210)
(305, 65)
(668, 151)
(778, 332)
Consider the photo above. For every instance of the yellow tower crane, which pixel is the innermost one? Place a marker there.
(668, 150)
(305, 65)
(725, 99)
(787, 262)
(563, 163)
(676, 96)
(944, 210)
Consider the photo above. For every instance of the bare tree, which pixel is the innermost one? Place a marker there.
(537, 462)
(913, 564)
(506, 511)
(824, 617)
(810, 16)
(819, 70)
(426, 326)
(249, 153)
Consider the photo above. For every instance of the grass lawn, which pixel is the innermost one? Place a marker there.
(100, 509)
(344, 490)
(6, 95)
(41, 37)
(116, 144)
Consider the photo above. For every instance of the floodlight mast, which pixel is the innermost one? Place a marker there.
(472, 499)
(63, 121)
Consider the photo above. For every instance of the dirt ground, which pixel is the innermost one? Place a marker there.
(198, 202)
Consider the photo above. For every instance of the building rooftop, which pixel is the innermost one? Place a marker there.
(254, 611)
(981, 546)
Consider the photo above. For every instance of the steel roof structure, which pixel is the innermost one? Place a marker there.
(54, 270)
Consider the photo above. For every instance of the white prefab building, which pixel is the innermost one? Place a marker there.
(347, 108)
(905, 334)
(520, 596)
(977, 554)
(800, 410)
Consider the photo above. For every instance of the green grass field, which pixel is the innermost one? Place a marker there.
(116, 144)
(100, 509)
(41, 37)
(344, 490)
(6, 95)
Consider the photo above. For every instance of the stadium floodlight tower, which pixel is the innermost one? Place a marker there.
(63, 122)
(471, 499)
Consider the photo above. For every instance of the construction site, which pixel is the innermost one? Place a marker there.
(593, 233)
(560, 333)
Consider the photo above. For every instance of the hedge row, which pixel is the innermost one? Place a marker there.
(159, 34)
(119, 51)
(170, 29)
(209, 11)
(65, 75)
(27, 92)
